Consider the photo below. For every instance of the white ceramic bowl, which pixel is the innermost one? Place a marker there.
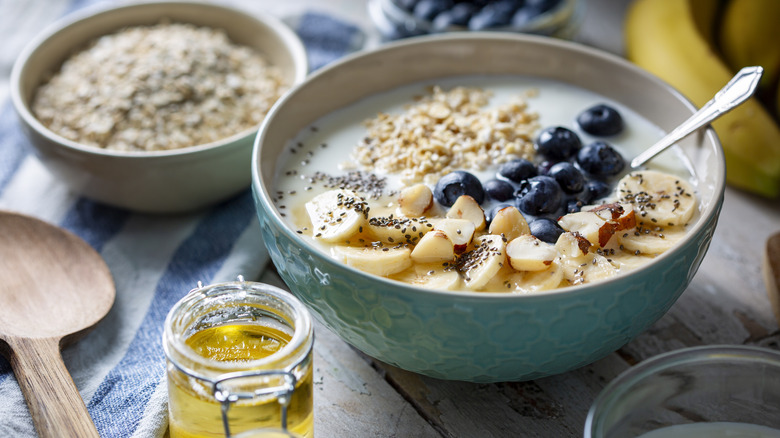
(160, 181)
(481, 336)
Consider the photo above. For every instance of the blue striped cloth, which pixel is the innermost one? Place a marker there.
(119, 366)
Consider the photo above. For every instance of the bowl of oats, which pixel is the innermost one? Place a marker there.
(463, 206)
(154, 106)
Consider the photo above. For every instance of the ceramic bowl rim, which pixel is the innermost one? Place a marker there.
(704, 216)
(82, 17)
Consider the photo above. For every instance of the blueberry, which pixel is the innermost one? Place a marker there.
(594, 190)
(456, 183)
(498, 13)
(491, 212)
(518, 170)
(573, 205)
(601, 120)
(568, 177)
(459, 15)
(557, 143)
(499, 190)
(544, 167)
(539, 195)
(545, 229)
(600, 159)
(427, 9)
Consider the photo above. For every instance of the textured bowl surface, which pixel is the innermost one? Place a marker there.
(482, 337)
(161, 181)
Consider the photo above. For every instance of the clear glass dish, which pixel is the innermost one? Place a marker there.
(710, 391)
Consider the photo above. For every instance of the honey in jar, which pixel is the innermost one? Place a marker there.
(239, 358)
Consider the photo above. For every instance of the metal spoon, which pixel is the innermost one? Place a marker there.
(738, 90)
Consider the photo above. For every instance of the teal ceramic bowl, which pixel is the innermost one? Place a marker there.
(482, 337)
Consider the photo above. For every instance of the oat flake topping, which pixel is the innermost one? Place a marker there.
(447, 130)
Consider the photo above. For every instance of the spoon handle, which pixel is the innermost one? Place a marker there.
(55, 404)
(738, 90)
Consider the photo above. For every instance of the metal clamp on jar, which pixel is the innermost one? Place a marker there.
(239, 358)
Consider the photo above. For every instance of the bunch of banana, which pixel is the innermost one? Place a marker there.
(697, 46)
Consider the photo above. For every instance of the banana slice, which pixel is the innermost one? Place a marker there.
(527, 253)
(626, 261)
(509, 280)
(430, 276)
(378, 260)
(337, 215)
(537, 281)
(483, 262)
(392, 229)
(594, 269)
(650, 240)
(578, 263)
(658, 198)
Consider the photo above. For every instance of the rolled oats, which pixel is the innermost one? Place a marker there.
(447, 130)
(159, 87)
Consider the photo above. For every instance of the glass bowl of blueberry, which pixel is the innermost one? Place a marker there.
(397, 19)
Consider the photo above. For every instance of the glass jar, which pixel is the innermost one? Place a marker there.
(710, 391)
(239, 357)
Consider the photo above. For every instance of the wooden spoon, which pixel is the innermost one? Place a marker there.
(53, 288)
(772, 273)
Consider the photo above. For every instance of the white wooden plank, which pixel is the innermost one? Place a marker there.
(351, 400)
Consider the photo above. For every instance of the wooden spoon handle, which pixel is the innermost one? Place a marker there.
(55, 404)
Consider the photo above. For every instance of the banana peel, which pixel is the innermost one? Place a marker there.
(750, 35)
(664, 37)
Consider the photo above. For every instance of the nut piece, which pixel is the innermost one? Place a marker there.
(622, 216)
(590, 225)
(465, 207)
(527, 253)
(459, 231)
(415, 200)
(510, 223)
(572, 244)
(434, 247)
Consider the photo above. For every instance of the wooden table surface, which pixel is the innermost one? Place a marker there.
(356, 396)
